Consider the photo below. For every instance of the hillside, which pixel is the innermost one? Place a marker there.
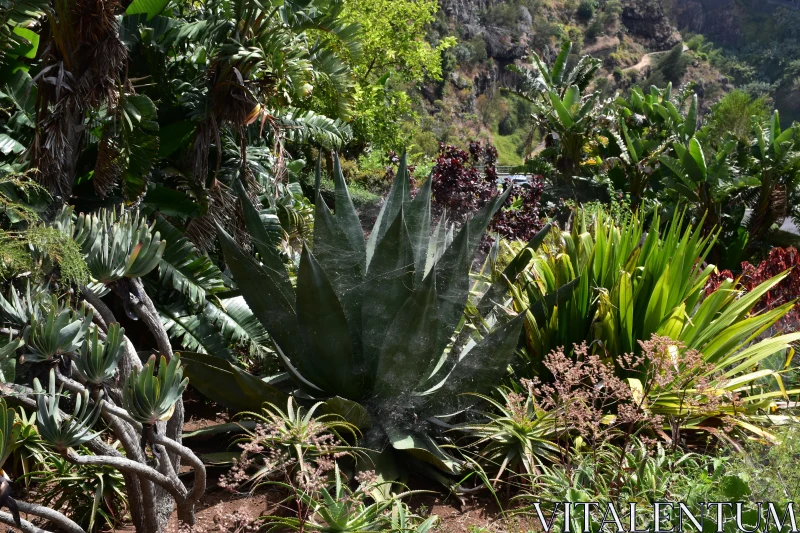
(631, 37)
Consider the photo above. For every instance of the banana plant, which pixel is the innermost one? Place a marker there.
(775, 164)
(64, 432)
(117, 245)
(98, 360)
(57, 333)
(646, 126)
(560, 106)
(370, 324)
(150, 393)
(539, 79)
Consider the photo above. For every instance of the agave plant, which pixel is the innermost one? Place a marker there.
(150, 393)
(58, 332)
(98, 360)
(374, 322)
(118, 245)
(64, 432)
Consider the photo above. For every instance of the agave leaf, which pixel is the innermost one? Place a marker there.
(480, 369)
(273, 266)
(418, 221)
(262, 292)
(345, 211)
(325, 332)
(219, 380)
(399, 195)
(409, 346)
(343, 263)
(352, 412)
(389, 282)
(423, 448)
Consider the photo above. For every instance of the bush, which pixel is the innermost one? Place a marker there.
(508, 125)
(585, 10)
(460, 188)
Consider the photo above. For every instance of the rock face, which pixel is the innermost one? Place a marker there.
(718, 20)
(646, 19)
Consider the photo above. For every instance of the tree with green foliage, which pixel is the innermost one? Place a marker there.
(394, 56)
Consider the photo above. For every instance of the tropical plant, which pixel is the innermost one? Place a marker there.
(59, 332)
(93, 495)
(562, 110)
(8, 437)
(519, 435)
(633, 286)
(341, 509)
(647, 124)
(373, 321)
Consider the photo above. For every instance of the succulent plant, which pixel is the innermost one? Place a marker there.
(118, 245)
(57, 332)
(150, 394)
(375, 323)
(98, 360)
(19, 307)
(64, 432)
(8, 434)
(8, 360)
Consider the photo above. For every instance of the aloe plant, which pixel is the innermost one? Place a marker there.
(98, 360)
(373, 323)
(8, 434)
(64, 432)
(57, 332)
(8, 360)
(150, 394)
(117, 245)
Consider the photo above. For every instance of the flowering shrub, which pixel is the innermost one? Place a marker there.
(464, 181)
(779, 260)
(292, 446)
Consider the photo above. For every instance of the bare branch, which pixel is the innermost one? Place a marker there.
(199, 487)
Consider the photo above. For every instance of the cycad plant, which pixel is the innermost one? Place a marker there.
(374, 322)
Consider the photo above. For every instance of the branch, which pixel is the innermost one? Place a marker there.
(132, 293)
(27, 527)
(199, 487)
(54, 517)
(124, 464)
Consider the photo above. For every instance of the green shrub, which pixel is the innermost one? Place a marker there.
(585, 10)
(507, 125)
